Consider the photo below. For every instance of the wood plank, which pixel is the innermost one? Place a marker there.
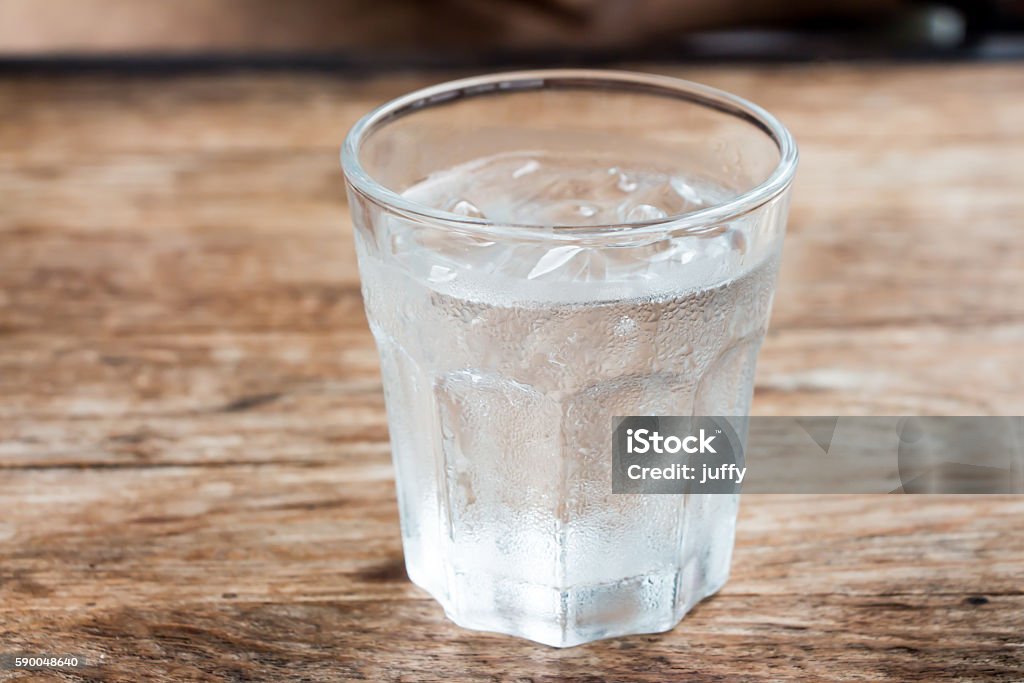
(306, 562)
(728, 638)
(282, 532)
(864, 272)
(48, 115)
(308, 397)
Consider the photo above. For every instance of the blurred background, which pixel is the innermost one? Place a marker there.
(498, 32)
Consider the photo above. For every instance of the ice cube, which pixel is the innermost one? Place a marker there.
(644, 212)
(552, 260)
(526, 169)
(464, 207)
(624, 182)
(686, 191)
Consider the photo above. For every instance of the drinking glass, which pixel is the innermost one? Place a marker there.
(539, 252)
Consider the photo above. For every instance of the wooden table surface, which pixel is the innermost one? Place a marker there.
(194, 467)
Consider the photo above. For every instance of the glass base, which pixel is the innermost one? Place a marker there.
(652, 603)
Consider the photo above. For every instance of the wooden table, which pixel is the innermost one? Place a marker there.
(195, 474)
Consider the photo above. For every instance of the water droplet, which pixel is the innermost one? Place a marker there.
(526, 169)
(644, 212)
(466, 208)
(586, 210)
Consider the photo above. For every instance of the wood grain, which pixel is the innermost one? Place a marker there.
(194, 468)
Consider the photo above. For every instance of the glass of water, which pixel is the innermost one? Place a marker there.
(539, 252)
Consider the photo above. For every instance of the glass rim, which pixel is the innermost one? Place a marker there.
(696, 221)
